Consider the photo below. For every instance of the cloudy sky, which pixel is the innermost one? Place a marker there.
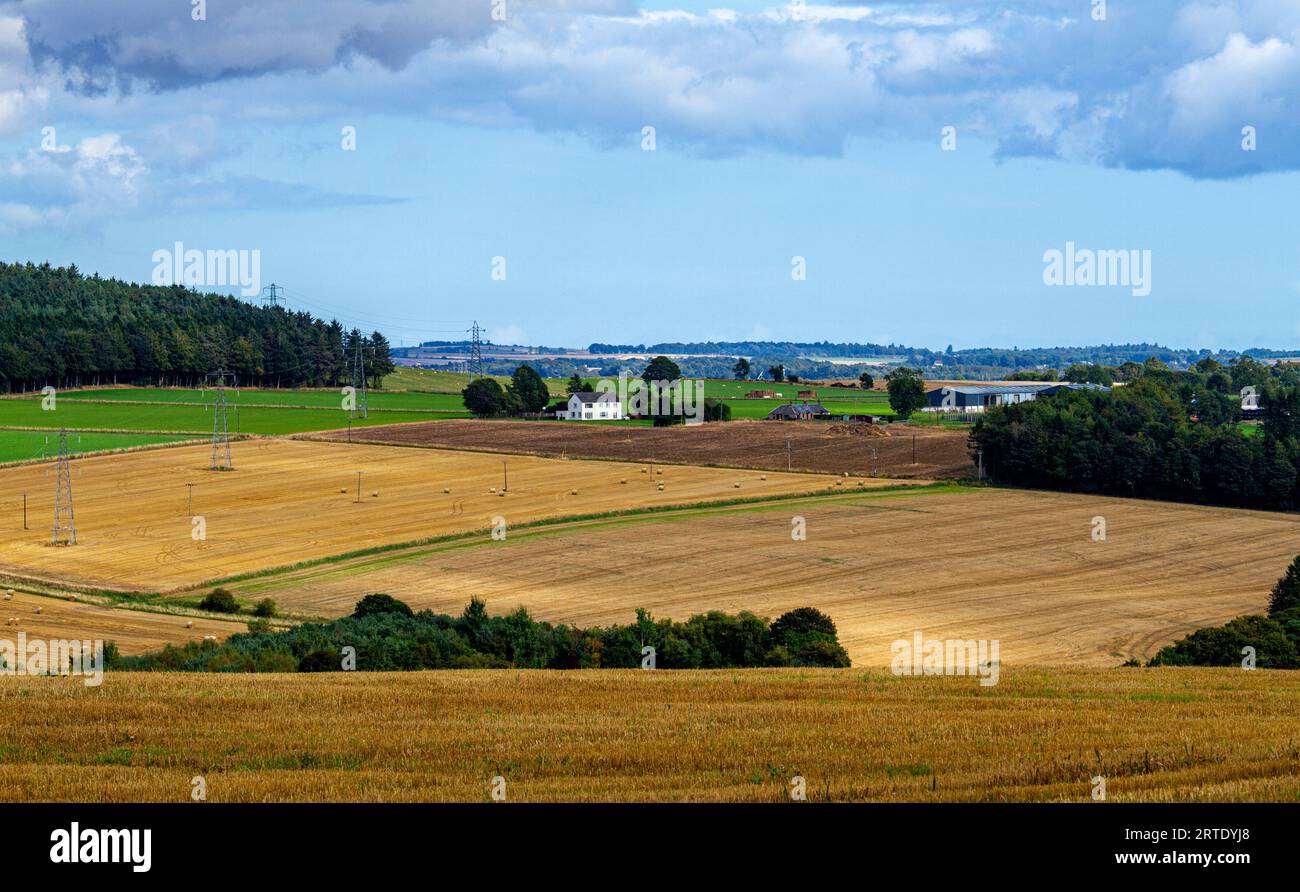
(517, 129)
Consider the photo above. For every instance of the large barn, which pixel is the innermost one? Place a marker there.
(978, 397)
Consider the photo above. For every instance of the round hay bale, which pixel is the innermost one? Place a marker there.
(643, 470)
(622, 481)
(573, 492)
(375, 494)
(492, 489)
(764, 477)
(40, 609)
(344, 490)
(190, 624)
(736, 485)
(446, 489)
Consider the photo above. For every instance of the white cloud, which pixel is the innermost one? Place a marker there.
(1160, 84)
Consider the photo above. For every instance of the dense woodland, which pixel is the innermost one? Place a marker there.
(64, 329)
(1163, 435)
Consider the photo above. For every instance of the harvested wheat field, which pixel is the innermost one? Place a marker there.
(133, 631)
(1020, 567)
(289, 501)
(812, 446)
(1156, 735)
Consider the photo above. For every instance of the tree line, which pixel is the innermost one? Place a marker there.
(388, 636)
(60, 328)
(1164, 435)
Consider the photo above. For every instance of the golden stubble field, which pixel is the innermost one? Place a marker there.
(1017, 566)
(133, 631)
(1156, 735)
(290, 501)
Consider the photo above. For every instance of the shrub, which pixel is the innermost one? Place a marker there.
(801, 621)
(265, 608)
(219, 601)
(321, 660)
(1222, 646)
(378, 604)
(258, 625)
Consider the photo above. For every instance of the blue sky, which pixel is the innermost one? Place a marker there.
(781, 131)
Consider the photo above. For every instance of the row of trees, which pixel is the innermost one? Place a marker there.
(388, 636)
(60, 328)
(1166, 435)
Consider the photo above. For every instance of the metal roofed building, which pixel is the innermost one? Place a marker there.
(978, 397)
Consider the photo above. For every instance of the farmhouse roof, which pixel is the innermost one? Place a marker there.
(799, 409)
(593, 396)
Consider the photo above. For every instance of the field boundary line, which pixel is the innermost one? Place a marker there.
(477, 538)
(545, 522)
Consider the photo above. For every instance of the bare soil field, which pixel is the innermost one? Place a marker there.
(133, 631)
(813, 446)
(289, 501)
(602, 735)
(1019, 567)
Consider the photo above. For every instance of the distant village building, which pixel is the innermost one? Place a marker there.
(592, 406)
(798, 412)
(761, 395)
(978, 397)
(810, 395)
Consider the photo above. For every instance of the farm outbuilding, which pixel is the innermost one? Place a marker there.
(798, 412)
(978, 397)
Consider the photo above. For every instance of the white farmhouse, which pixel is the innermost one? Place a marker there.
(592, 406)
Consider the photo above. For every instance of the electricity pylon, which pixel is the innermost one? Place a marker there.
(358, 364)
(65, 524)
(220, 422)
(476, 352)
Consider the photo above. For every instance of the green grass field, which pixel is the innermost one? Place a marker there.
(168, 417)
(31, 445)
(301, 399)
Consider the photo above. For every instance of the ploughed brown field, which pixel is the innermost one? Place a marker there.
(289, 501)
(1020, 567)
(813, 446)
(1154, 734)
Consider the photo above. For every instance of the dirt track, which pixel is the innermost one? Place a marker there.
(813, 446)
